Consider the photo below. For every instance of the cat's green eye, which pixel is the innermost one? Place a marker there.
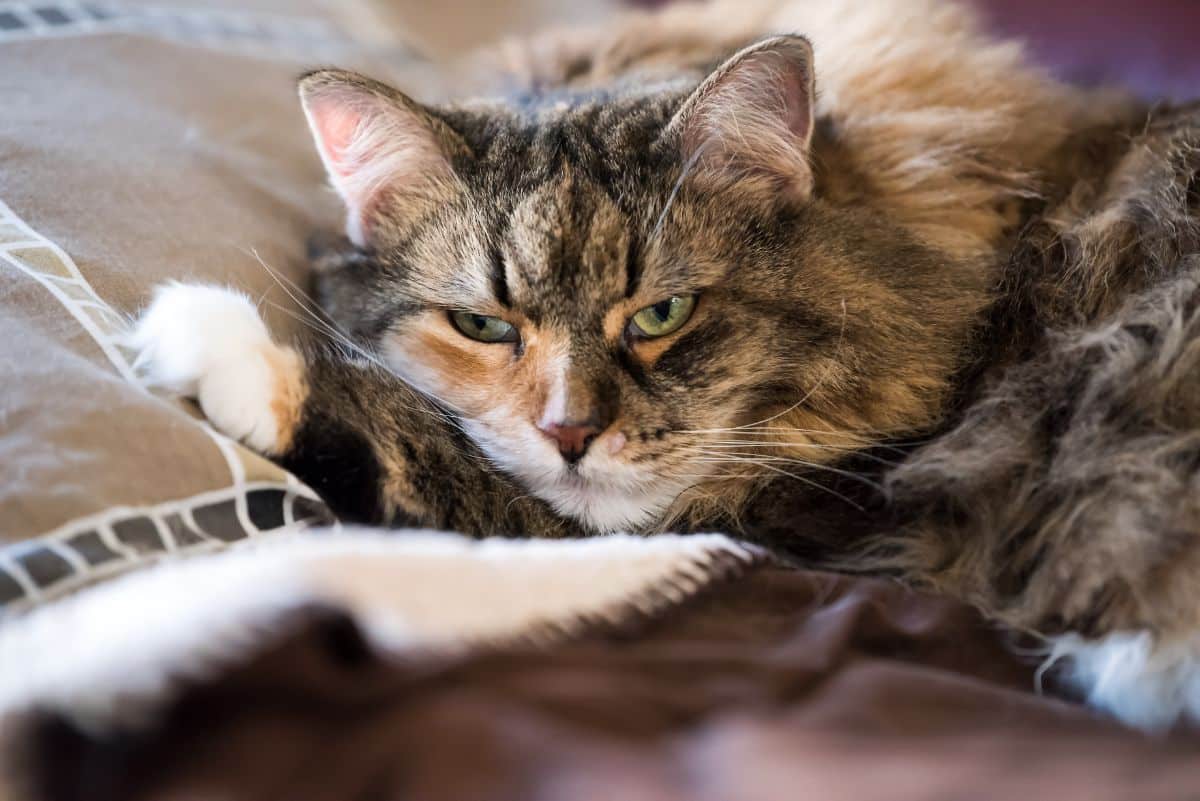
(665, 317)
(482, 327)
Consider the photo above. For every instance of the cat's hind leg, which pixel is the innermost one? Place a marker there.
(1145, 681)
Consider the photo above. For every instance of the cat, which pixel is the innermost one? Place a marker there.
(781, 269)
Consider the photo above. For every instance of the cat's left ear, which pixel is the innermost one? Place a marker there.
(382, 150)
(752, 119)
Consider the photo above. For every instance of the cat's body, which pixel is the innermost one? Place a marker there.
(665, 282)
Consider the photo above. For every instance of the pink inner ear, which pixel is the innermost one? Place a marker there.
(797, 112)
(336, 123)
(372, 146)
(756, 120)
(773, 91)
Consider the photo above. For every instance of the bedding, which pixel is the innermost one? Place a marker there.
(747, 682)
(115, 178)
(142, 142)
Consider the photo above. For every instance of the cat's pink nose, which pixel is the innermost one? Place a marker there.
(572, 439)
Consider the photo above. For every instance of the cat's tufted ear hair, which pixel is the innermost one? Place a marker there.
(752, 118)
(377, 144)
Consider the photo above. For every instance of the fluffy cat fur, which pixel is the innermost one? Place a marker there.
(944, 325)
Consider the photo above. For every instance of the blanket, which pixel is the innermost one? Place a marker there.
(419, 666)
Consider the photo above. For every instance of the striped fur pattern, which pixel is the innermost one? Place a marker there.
(836, 219)
(944, 319)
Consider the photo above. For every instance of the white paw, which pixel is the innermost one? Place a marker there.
(1127, 674)
(209, 343)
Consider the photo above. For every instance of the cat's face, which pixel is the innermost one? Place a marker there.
(558, 309)
(618, 302)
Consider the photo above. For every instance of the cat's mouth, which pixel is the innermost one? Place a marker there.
(604, 489)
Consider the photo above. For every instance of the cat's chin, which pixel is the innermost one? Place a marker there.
(605, 509)
(606, 503)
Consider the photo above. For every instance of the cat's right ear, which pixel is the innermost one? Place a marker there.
(379, 147)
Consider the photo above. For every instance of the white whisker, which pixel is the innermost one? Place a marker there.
(687, 169)
(731, 445)
(766, 461)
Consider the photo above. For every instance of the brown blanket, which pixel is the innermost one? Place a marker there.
(778, 685)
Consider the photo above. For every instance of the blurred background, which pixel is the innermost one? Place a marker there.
(1151, 46)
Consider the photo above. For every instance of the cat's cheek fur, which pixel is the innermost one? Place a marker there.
(470, 377)
(209, 343)
(1147, 684)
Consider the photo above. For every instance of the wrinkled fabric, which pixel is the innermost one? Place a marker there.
(782, 685)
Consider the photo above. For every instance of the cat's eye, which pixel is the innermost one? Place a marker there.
(482, 327)
(665, 317)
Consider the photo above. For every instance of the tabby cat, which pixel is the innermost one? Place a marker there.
(880, 295)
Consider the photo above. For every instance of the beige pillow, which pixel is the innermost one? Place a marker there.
(140, 144)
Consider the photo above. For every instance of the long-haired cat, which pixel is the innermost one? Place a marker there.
(783, 269)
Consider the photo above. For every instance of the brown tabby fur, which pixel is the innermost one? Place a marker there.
(1084, 515)
(963, 347)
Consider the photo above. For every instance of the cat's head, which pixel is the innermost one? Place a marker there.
(629, 297)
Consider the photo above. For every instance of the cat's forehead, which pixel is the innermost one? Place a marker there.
(566, 247)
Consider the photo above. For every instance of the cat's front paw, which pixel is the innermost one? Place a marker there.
(209, 343)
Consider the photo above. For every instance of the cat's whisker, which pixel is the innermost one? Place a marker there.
(336, 337)
(851, 433)
(733, 445)
(763, 461)
(515, 499)
(757, 430)
(800, 438)
(683, 174)
(765, 429)
(306, 303)
(808, 466)
(319, 322)
(699, 478)
(293, 290)
(374, 361)
(819, 383)
(802, 479)
(316, 317)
